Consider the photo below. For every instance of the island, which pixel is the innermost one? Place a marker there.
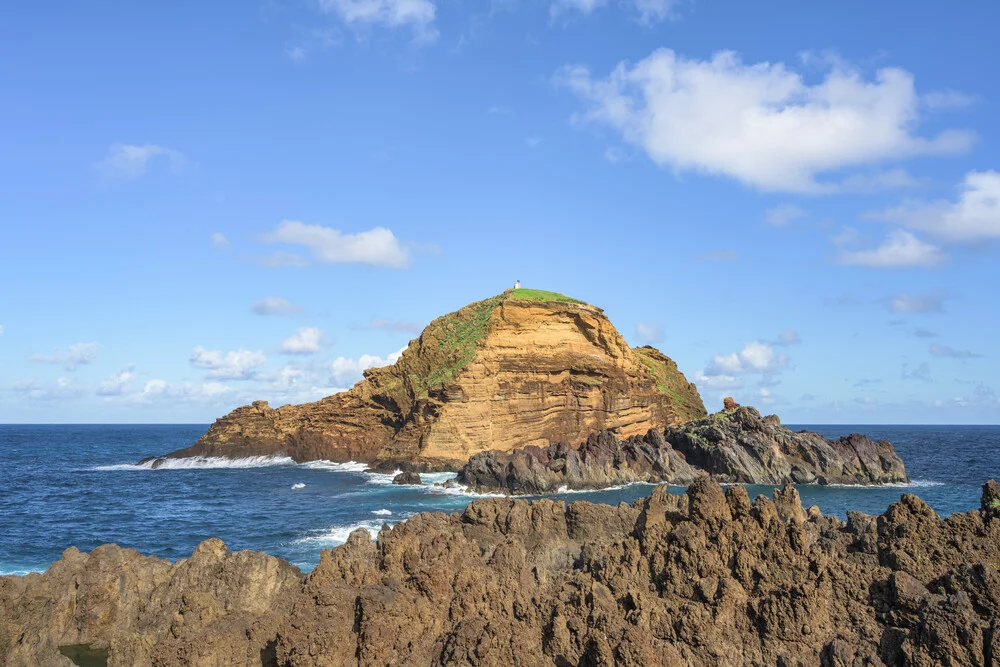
(531, 391)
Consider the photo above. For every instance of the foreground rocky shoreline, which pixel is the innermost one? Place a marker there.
(703, 578)
(736, 444)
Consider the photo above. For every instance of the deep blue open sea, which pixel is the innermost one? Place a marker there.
(78, 485)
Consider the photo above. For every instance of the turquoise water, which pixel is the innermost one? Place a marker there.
(78, 485)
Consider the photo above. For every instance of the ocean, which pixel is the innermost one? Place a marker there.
(78, 485)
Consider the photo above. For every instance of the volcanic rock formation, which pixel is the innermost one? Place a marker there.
(734, 445)
(705, 578)
(523, 368)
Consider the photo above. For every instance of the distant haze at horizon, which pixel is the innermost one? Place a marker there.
(210, 205)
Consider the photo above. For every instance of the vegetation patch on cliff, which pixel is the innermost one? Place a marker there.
(453, 340)
(522, 294)
(670, 381)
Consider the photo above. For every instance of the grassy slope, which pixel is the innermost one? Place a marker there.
(671, 382)
(538, 295)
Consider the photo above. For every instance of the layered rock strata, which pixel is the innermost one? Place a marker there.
(523, 368)
(704, 578)
(734, 445)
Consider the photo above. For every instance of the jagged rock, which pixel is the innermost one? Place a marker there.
(407, 478)
(730, 446)
(741, 446)
(991, 499)
(523, 368)
(704, 578)
(729, 404)
(602, 461)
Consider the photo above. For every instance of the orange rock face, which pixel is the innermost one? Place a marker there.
(499, 374)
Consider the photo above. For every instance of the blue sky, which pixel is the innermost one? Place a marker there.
(208, 203)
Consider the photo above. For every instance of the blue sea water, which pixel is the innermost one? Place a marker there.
(71, 485)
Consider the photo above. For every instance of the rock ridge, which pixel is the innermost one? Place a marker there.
(736, 444)
(708, 577)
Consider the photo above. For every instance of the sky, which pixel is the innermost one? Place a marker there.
(204, 204)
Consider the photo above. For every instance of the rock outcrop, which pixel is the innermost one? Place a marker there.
(523, 368)
(735, 445)
(601, 461)
(407, 478)
(738, 445)
(704, 578)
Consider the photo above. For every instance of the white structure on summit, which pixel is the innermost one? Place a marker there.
(517, 284)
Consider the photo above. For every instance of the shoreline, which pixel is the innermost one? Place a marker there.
(487, 557)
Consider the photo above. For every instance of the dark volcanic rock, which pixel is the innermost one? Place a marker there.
(735, 445)
(741, 446)
(407, 478)
(705, 578)
(602, 461)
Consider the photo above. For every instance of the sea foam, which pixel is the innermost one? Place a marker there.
(337, 535)
(349, 466)
(205, 463)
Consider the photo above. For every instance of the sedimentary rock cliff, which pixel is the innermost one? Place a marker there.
(705, 578)
(734, 445)
(525, 367)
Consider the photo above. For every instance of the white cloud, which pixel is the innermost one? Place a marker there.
(346, 372)
(79, 354)
(378, 247)
(384, 324)
(786, 338)
(765, 396)
(947, 99)
(238, 365)
(921, 372)
(307, 340)
(782, 215)
(1, 330)
(419, 15)
(160, 390)
(890, 179)
(219, 240)
(118, 383)
(904, 303)
(761, 124)
(33, 390)
(755, 357)
(951, 353)
(974, 216)
(899, 249)
(720, 382)
(275, 305)
(129, 161)
(648, 333)
(649, 11)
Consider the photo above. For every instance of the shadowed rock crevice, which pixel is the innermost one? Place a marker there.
(703, 578)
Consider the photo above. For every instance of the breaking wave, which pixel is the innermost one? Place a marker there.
(337, 535)
(204, 463)
(349, 466)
